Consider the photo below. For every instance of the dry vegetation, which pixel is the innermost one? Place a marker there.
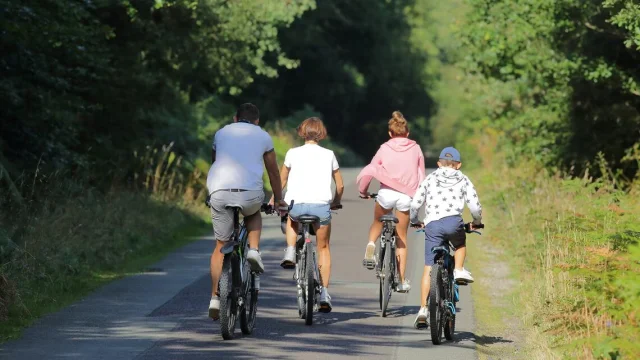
(573, 243)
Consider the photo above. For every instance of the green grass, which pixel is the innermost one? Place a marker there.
(66, 250)
(572, 247)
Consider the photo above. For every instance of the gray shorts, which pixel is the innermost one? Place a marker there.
(222, 217)
(441, 232)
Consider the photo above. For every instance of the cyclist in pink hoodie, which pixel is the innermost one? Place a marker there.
(399, 167)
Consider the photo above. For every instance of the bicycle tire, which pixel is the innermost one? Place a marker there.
(435, 304)
(228, 308)
(380, 278)
(449, 327)
(310, 289)
(250, 306)
(300, 284)
(387, 271)
(450, 318)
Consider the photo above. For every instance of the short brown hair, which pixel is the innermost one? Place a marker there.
(248, 111)
(398, 125)
(312, 129)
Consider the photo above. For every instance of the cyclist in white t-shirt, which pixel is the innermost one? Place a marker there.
(238, 153)
(307, 174)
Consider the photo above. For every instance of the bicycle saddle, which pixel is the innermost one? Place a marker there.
(233, 206)
(308, 219)
(440, 248)
(388, 217)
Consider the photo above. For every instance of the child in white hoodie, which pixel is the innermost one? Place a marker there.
(444, 194)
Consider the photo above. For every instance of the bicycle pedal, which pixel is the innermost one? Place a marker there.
(421, 325)
(461, 282)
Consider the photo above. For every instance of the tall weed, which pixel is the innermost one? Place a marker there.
(575, 243)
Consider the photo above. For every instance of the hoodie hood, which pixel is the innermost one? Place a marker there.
(447, 177)
(400, 144)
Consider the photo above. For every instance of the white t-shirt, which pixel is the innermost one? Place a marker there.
(311, 170)
(239, 164)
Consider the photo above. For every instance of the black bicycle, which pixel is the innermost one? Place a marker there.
(385, 262)
(307, 275)
(444, 294)
(238, 286)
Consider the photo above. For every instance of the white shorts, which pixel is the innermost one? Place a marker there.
(390, 199)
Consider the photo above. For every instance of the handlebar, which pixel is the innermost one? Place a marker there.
(270, 209)
(371, 196)
(467, 228)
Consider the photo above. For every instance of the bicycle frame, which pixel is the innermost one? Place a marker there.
(301, 248)
(444, 258)
(388, 237)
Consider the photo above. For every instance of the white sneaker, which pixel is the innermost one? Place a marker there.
(214, 308)
(404, 287)
(253, 256)
(462, 275)
(325, 301)
(369, 261)
(422, 319)
(289, 261)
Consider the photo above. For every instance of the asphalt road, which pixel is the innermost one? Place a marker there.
(163, 314)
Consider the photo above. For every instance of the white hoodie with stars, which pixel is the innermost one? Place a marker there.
(444, 193)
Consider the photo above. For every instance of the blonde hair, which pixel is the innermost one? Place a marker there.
(312, 129)
(398, 125)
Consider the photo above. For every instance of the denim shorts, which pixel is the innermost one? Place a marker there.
(441, 232)
(323, 211)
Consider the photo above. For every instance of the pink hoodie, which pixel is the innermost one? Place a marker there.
(398, 164)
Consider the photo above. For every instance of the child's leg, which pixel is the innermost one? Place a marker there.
(426, 285)
(432, 237)
(459, 257)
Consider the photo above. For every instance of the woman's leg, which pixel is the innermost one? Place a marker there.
(323, 235)
(376, 226)
(291, 232)
(401, 241)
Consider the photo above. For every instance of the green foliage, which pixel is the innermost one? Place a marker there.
(86, 83)
(359, 61)
(574, 243)
(559, 79)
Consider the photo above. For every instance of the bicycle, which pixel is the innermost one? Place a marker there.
(385, 262)
(307, 274)
(238, 286)
(444, 293)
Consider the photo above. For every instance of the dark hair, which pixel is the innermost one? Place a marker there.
(312, 129)
(248, 111)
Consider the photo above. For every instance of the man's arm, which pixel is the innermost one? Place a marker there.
(337, 177)
(271, 163)
(473, 202)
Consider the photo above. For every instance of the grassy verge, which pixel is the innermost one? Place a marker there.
(572, 246)
(65, 250)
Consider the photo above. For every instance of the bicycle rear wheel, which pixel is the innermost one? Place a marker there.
(309, 285)
(228, 300)
(387, 278)
(436, 304)
(450, 317)
(250, 304)
(300, 281)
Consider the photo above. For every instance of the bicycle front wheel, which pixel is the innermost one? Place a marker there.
(387, 278)
(435, 304)
(250, 304)
(309, 285)
(228, 301)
